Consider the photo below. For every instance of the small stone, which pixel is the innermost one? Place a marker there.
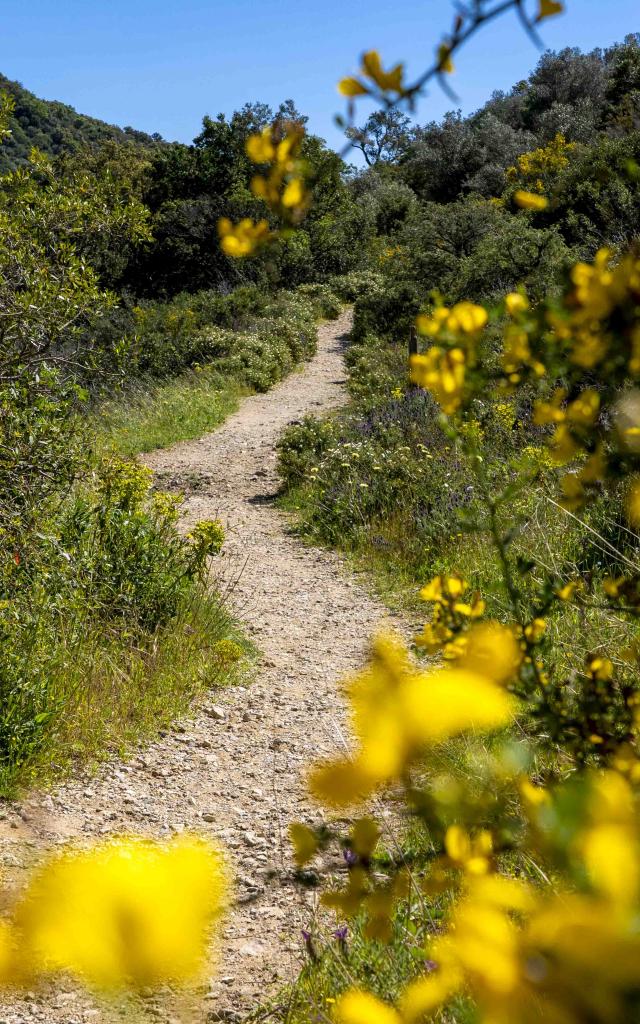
(215, 711)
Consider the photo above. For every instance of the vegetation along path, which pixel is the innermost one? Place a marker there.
(236, 770)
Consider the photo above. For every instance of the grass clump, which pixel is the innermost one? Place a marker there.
(158, 415)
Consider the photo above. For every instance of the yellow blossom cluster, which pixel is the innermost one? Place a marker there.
(537, 170)
(442, 370)
(283, 188)
(128, 913)
(374, 79)
(593, 328)
(527, 954)
(399, 711)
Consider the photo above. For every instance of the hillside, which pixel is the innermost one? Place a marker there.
(56, 128)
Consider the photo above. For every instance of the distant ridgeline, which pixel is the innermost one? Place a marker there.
(55, 128)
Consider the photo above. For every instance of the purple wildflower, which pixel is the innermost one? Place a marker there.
(308, 944)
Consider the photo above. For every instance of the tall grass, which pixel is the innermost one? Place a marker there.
(156, 415)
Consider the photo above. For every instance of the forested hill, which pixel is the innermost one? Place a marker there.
(56, 128)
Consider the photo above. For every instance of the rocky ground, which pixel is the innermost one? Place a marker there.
(235, 770)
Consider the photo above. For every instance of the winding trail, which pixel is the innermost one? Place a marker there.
(235, 769)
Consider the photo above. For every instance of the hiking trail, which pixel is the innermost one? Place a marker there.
(234, 770)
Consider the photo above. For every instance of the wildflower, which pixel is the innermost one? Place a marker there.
(547, 8)
(244, 238)
(529, 200)
(470, 854)
(304, 841)
(534, 631)
(467, 317)
(599, 668)
(259, 148)
(516, 302)
(371, 68)
(308, 944)
(442, 372)
(533, 796)
(358, 1007)
(124, 913)
(443, 588)
(386, 80)
(398, 711)
(492, 650)
(566, 592)
(444, 59)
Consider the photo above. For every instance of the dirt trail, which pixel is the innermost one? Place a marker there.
(235, 770)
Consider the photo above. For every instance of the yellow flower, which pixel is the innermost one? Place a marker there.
(444, 59)
(533, 796)
(423, 996)
(492, 650)
(364, 836)
(584, 409)
(358, 1007)
(564, 445)
(260, 148)
(547, 8)
(611, 856)
(467, 317)
(388, 81)
(535, 630)
(472, 854)
(516, 302)
(125, 913)
(351, 87)
(442, 588)
(529, 200)
(398, 711)
(600, 668)
(442, 372)
(433, 637)
(430, 324)
(244, 238)
(294, 193)
(304, 842)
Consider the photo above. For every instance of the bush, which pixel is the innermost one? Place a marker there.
(109, 571)
(326, 301)
(352, 286)
(388, 312)
(301, 446)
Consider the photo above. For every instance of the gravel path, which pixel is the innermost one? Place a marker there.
(235, 770)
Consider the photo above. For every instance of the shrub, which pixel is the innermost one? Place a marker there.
(300, 447)
(326, 301)
(357, 283)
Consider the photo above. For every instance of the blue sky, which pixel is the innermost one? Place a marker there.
(159, 65)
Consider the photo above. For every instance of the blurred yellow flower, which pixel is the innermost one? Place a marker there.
(529, 200)
(516, 302)
(398, 711)
(547, 8)
(492, 650)
(128, 913)
(358, 1007)
(244, 238)
(260, 148)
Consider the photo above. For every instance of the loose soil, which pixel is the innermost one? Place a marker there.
(235, 770)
